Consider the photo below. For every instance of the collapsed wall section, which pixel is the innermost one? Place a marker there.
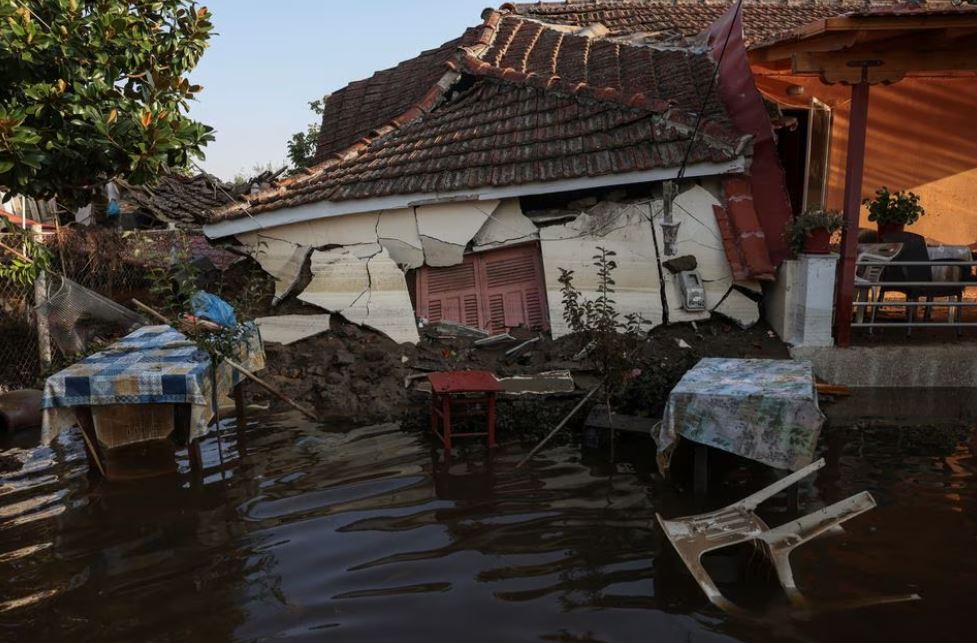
(511, 263)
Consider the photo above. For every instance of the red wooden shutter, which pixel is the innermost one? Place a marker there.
(496, 290)
(513, 287)
(450, 294)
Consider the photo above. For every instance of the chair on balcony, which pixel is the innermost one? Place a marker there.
(914, 249)
(867, 277)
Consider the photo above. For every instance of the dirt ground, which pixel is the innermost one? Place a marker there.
(352, 373)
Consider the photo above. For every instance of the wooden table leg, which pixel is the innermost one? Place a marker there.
(434, 415)
(491, 420)
(242, 422)
(239, 407)
(96, 459)
(446, 420)
(701, 473)
(196, 457)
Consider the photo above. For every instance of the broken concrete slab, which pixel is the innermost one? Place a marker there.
(445, 328)
(283, 260)
(495, 340)
(445, 229)
(363, 284)
(507, 226)
(388, 304)
(288, 329)
(397, 232)
(739, 309)
(548, 383)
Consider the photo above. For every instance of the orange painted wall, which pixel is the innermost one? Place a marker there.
(922, 136)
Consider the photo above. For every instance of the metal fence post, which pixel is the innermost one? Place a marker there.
(40, 297)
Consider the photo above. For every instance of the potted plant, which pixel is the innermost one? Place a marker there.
(893, 211)
(810, 232)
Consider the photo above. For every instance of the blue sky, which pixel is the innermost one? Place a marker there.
(271, 58)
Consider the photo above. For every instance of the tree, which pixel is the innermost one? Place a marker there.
(96, 89)
(302, 145)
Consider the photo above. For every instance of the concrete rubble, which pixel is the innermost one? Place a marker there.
(288, 329)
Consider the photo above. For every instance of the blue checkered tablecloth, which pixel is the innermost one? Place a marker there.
(153, 365)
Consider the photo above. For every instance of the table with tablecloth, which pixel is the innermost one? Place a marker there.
(764, 410)
(153, 365)
(945, 252)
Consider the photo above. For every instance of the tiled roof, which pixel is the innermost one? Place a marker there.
(185, 200)
(499, 134)
(761, 18)
(354, 111)
(529, 52)
(545, 105)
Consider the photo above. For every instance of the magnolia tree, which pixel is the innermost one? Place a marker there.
(96, 89)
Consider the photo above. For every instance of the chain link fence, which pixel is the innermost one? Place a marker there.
(113, 264)
(20, 362)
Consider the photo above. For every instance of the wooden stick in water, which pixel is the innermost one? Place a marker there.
(559, 426)
(240, 369)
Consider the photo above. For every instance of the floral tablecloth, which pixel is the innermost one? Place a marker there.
(152, 365)
(765, 410)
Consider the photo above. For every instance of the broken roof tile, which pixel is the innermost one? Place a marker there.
(681, 18)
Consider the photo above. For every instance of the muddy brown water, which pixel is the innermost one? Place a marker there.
(366, 535)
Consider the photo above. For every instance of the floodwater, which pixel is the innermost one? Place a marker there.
(366, 535)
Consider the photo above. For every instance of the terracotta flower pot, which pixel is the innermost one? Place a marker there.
(817, 242)
(889, 228)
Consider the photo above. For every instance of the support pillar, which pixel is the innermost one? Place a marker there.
(855, 166)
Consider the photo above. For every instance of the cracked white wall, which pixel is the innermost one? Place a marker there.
(446, 228)
(623, 228)
(507, 226)
(283, 260)
(699, 235)
(363, 278)
(363, 284)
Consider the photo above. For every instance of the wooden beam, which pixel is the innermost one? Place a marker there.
(905, 22)
(846, 66)
(784, 50)
(854, 167)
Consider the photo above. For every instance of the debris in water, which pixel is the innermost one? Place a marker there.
(694, 536)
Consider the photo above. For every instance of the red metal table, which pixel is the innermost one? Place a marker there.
(468, 388)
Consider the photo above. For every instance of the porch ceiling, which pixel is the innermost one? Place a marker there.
(877, 47)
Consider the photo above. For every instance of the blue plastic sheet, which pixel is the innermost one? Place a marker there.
(213, 308)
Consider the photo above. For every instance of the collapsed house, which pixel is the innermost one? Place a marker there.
(457, 185)
(182, 201)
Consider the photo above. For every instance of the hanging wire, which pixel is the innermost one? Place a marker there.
(712, 85)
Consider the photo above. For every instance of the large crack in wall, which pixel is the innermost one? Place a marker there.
(358, 262)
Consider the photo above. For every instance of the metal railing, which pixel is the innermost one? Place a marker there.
(876, 288)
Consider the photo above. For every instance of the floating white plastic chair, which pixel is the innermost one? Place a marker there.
(694, 536)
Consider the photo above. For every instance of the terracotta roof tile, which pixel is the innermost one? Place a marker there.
(544, 106)
(497, 133)
(761, 18)
(358, 109)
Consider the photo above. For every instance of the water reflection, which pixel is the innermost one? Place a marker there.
(367, 534)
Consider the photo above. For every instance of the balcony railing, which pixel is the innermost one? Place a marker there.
(865, 311)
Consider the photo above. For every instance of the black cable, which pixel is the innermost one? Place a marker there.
(705, 102)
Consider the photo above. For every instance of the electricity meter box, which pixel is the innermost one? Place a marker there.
(693, 292)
